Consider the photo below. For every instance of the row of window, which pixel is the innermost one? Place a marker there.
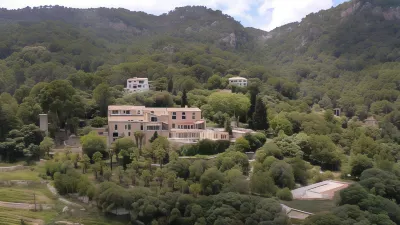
(238, 81)
(153, 128)
(135, 81)
(125, 112)
(136, 86)
(129, 127)
(187, 135)
(183, 115)
(183, 126)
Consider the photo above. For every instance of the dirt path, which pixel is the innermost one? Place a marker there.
(63, 200)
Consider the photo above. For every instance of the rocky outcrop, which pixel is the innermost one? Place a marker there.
(351, 10)
(231, 40)
(392, 13)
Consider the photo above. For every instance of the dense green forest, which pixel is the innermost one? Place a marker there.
(73, 63)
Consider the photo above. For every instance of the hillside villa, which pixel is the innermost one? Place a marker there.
(180, 125)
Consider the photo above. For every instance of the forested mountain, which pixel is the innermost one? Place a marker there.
(344, 57)
(73, 63)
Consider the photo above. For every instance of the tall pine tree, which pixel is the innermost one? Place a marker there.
(170, 85)
(184, 101)
(260, 121)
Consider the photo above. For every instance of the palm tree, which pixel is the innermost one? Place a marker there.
(139, 136)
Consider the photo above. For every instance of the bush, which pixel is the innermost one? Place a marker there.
(189, 150)
(327, 175)
(284, 194)
(221, 146)
(98, 121)
(205, 147)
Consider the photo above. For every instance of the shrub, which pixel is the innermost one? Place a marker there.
(284, 194)
(98, 121)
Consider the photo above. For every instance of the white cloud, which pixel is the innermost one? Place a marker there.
(288, 11)
(255, 13)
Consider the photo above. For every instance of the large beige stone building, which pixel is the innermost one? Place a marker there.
(182, 125)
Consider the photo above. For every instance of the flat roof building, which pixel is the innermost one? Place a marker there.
(137, 84)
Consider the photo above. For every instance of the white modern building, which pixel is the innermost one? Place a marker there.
(137, 84)
(238, 81)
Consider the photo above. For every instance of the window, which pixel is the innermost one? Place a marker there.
(191, 127)
(135, 86)
(114, 112)
(153, 128)
(152, 112)
(115, 134)
(115, 127)
(174, 115)
(129, 127)
(183, 115)
(138, 112)
(153, 119)
(141, 82)
(129, 81)
(129, 134)
(193, 116)
(130, 86)
(173, 126)
(141, 126)
(139, 85)
(128, 112)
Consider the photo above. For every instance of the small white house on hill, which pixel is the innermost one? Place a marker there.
(238, 81)
(137, 84)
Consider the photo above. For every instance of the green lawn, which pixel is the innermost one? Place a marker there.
(24, 194)
(20, 175)
(312, 206)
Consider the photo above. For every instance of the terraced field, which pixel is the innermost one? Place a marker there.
(25, 194)
(13, 216)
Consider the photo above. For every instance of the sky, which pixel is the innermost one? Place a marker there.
(262, 14)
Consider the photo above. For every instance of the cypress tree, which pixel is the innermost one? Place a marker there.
(260, 121)
(254, 90)
(228, 127)
(170, 86)
(155, 136)
(184, 101)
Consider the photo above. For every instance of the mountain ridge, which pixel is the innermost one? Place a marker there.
(344, 45)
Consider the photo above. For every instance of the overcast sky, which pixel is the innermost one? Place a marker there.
(263, 14)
